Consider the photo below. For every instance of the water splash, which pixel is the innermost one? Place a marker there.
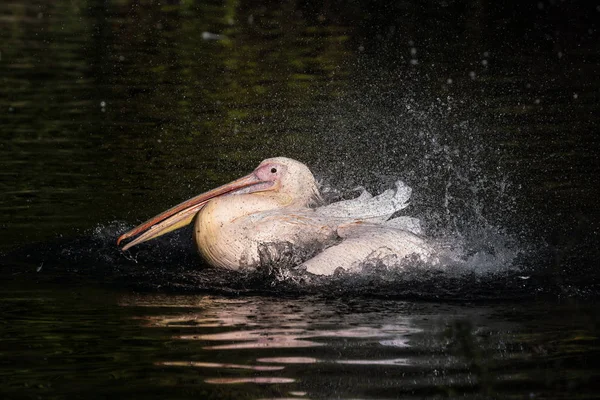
(390, 129)
(170, 264)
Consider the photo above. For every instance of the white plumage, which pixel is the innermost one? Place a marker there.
(273, 205)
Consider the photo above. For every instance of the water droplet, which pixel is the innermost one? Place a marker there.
(472, 74)
(414, 61)
(449, 81)
(575, 95)
(103, 104)
(413, 51)
(212, 36)
(484, 62)
(560, 54)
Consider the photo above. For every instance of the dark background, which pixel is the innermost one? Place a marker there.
(111, 111)
(114, 110)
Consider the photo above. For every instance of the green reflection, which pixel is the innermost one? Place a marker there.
(118, 100)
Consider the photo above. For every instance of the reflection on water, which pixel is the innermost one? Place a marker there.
(292, 333)
(228, 381)
(101, 344)
(289, 360)
(218, 365)
(415, 345)
(277, 326)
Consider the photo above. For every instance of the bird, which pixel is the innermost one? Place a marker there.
(278, 210)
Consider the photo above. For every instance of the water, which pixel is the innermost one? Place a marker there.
(112, 111)
(94, 344)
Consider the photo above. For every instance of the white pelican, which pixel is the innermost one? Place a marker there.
(277, 204)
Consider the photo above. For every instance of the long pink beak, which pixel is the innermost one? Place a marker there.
(183, 213)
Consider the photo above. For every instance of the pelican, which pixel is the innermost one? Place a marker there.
(278, 203)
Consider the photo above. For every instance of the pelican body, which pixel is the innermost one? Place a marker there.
(277, 204)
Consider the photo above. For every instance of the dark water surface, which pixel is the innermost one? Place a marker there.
(85, 343)
(112, 111)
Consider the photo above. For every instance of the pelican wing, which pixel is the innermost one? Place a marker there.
(363, 242)
(368, 208)
(406, 223)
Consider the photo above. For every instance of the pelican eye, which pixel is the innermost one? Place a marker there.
(273, 170)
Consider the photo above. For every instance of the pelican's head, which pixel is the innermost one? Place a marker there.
(288, 181)
(292, 181)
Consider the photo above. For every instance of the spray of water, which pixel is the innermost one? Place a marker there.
(443, 148)
(366, 139)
